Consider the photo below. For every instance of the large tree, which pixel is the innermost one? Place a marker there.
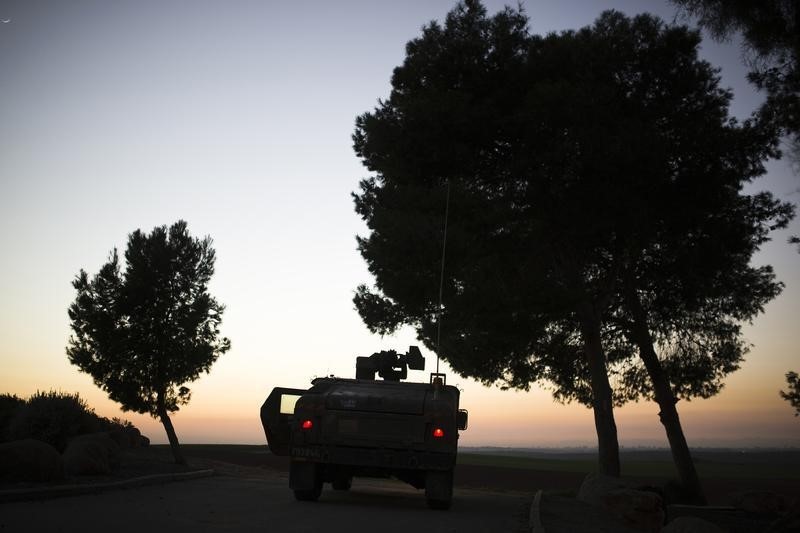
(142, 334)
(573, 161)
(459, 116)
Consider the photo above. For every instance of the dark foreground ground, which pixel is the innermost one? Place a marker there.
(250, 492)
(242, 503)
(725, 473)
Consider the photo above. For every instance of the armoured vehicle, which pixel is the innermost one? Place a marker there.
(340, 428)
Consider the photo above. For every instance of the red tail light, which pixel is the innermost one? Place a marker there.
(307, 424)
(438, 433)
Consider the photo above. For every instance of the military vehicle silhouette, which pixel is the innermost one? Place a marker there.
(340, 428)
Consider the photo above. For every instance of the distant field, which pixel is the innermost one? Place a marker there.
(723, 464)
(710, 463)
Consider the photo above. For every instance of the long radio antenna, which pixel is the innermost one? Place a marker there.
(441, 276)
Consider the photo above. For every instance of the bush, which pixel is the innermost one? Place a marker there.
(9, 403)
(53, 417)
(113, 424)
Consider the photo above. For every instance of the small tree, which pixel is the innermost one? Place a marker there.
(793, 394)
(144, 333)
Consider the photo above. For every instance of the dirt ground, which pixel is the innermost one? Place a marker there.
(719, 491)
(250, 460)
(250, 491)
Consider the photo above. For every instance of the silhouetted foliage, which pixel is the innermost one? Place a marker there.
(771, 38)
(143, 333)
(53, 417)
(594, 177)
(792, 394)
(118, 423)
(9, 404)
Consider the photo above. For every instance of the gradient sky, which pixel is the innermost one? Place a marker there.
(236, 116)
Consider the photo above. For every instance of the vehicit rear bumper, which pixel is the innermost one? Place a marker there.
(383, 458)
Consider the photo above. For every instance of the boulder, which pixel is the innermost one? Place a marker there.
(134, 436)
(675, 494)
(30, 460)
(691, 524)
(762, 501)
(125, 437)
(120, 436)
(94, 453)
(641, 510)
(595, 486)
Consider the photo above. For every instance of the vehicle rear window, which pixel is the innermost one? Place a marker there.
(287, 403)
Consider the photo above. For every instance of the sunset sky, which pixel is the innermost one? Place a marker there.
(236, 117)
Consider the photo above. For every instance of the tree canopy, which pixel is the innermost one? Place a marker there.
(792, 394)
(593, 175)
(771, 39)
(144, 332)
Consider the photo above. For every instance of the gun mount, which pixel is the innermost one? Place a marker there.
(389, 365)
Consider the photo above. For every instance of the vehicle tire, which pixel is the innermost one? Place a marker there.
(342, 483)
(439, 505)
(305, 480)
(439, 489)
(311, 495)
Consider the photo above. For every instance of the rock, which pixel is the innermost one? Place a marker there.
(643, 511)
(125, 437)
(144, 442)
(691, 524)
(763, 501)
(674, 493)
(134, 436)
(595, 486)
(638, 509)
(120, 436)
(94, 453)
(30, 460)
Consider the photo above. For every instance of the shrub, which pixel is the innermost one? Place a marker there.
(9, 403)
(53, 417)
(113, 424)
(121, 422)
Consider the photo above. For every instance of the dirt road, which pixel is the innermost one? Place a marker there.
(263, 502)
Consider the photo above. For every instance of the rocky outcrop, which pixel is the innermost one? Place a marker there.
(134, 436)
(95, 453)
(30, 460)
(638, 509)
(763, 501)
(126, 437)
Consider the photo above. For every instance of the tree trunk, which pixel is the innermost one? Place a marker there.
(171, 435)
(602, 402)
(666, 400)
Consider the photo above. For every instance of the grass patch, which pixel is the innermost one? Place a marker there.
(728, 469)
(527, 463)
(720, 465)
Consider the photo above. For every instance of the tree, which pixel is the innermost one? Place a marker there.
(771, 39)
(449, 118)
(587, 171)
(684, 281)
(145, 332)
(793, 394)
